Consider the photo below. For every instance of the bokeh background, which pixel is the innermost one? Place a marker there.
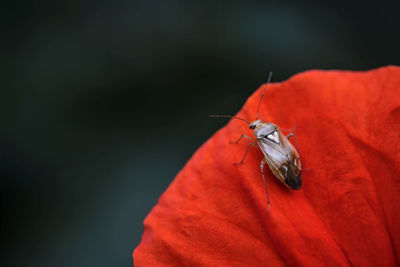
(102, 102)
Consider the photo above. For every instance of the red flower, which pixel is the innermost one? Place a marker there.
(348, 210)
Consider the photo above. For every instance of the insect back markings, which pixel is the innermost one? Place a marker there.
(280, 155)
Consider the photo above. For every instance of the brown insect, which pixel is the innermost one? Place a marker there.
(280, 155)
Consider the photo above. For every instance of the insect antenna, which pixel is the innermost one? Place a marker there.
(262, 95)
(229, 116)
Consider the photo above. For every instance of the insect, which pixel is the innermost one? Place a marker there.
(280, 155)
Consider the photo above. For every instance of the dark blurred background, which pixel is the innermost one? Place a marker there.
(104, 101)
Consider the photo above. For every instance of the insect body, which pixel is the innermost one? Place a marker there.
(280, 155)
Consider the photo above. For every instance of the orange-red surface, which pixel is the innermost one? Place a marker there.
(348, 211)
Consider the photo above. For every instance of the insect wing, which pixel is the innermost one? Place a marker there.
(274, 155)
(282, 158)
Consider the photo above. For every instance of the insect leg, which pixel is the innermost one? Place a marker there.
(293, 134)
(289, 130)
(262, 164)
(295, 139)
(245, 136)
(245, 154)
(289, 135)
(297, 145)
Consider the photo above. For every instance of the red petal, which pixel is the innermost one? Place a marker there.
(348, 211)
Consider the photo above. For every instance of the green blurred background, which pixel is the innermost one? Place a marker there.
(104, 101)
